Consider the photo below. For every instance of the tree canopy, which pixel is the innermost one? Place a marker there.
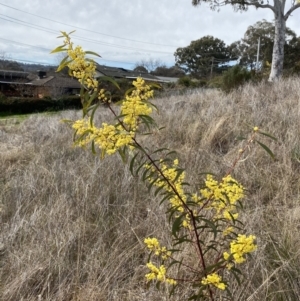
(246, 48)
(281, 14)
(203, 56)
(140, 69)
(173, 71)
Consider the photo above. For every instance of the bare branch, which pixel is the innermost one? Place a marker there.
(256, 4)
(288, 13)
(242, 3)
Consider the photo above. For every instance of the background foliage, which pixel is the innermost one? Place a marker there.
(64, 239)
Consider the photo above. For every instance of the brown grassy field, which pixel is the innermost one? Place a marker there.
(72, 226)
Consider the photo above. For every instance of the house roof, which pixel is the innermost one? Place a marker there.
(13, 73)
(40, 81)
(61, 82)
(12, 76)
(124, 73)
(168, 79)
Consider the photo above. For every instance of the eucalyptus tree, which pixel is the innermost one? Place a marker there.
(281, 14)
(246, 48)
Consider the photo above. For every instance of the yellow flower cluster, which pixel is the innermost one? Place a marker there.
(228, 230)
(241, 246)
(82, 69)
(223, 195)
(135, 104)
(154, 245)
(215, 280)
(142, 90)
(171, 174)
(158, 273)
(109, 137)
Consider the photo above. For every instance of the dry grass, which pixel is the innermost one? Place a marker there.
(72, 226)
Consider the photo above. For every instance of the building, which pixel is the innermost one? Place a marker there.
(119, 73)
(53, 86)
(9, 79)
(39, 85)
(24, 84)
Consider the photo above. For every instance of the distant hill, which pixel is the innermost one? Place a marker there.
(31, 68)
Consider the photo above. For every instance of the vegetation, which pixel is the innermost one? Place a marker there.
(76, 228)
(27, 105)
(173, 71)
(246, 48)
(204, 221)
(280, 17)
(235, 77)
(203, 56)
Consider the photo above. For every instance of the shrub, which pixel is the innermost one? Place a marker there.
(185, 81)
(235, 77)
(216, 82)
(207, 241)
(27, 105)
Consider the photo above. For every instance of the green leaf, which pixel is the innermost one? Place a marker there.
(235, 273)
(139, 168)
(179, 173)
(167, 195)
(213, 267)
(172, 291)
(240, 138)
(63, 65)
(266, 149)
(171, 153)
(132, 161)
(145, 174)
(108, 79)
(59, 49)
(93, 147)
(64, 59)
(152, 105)
(147, 120)
(87, 102)
(182, 240)
(93, 108)
(152, 183)
(177, 225)
(122, 153)
(211, 225)
(92, 53)
(129, 91)
(268, 135)
(157, 190)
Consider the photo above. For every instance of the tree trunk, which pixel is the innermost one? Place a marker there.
(279, 41)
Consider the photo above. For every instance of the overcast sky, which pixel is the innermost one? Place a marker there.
(122, 32)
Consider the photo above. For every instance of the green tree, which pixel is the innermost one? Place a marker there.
(292, 58)
(173, 71)
(202, 56)
(246, 48)
(280, 18)
(141, 69)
